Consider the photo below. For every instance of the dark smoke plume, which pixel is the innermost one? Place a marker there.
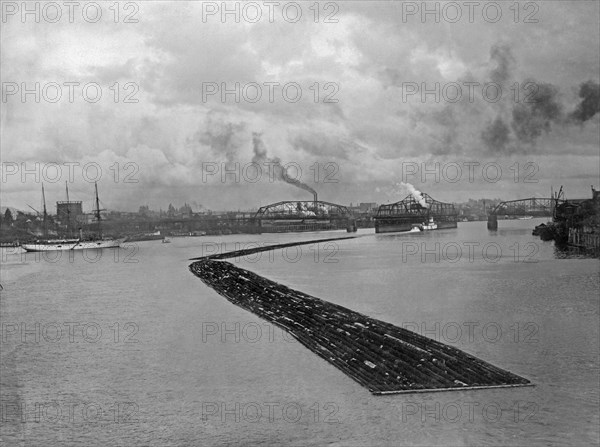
(279, 171)
(589, 92)
(512, 124)
(496, 135)
(536, 113)
(502, 55)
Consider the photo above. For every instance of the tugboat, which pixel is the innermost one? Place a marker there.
(430, 225)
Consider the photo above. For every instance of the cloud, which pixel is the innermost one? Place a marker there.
(367, 56)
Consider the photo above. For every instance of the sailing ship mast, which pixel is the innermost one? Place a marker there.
(97, 211)
(80, 244)
(68, 209)
(45, 214)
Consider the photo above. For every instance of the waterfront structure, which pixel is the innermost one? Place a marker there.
(530, 207)
(298, 215)
(403, 215)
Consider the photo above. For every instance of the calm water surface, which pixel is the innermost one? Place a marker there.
(111, 351)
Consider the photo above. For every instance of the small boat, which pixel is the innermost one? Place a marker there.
(546, 232)
(525, 217)
(415, 229)
(430, 225)
(166, 240)
(538, 229)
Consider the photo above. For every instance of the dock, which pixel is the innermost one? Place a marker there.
(380, 356)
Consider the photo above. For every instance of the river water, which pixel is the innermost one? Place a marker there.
(127, 347)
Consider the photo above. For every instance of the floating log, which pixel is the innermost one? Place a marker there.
(380, 356)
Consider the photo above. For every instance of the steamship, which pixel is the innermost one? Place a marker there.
(431, 225)
(81, 243)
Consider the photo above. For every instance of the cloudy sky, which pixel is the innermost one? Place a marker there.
(352, 115)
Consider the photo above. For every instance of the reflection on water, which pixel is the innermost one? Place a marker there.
(129, 348)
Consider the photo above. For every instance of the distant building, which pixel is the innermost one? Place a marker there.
(86, 219)
(367, 207)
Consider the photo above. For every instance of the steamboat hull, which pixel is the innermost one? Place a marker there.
(68, 245)
(397, 224)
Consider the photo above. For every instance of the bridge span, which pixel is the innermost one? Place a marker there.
(302, 215)
(533, 206)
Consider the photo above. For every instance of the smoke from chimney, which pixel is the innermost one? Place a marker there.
(589, 92)
(279, 171)
(496, 135)
(414, 192)
(535, 115)
(513, 123)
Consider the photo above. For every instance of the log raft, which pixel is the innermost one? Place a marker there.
(380, 356)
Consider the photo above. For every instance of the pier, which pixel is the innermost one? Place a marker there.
(588, 241)
(382, 357)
